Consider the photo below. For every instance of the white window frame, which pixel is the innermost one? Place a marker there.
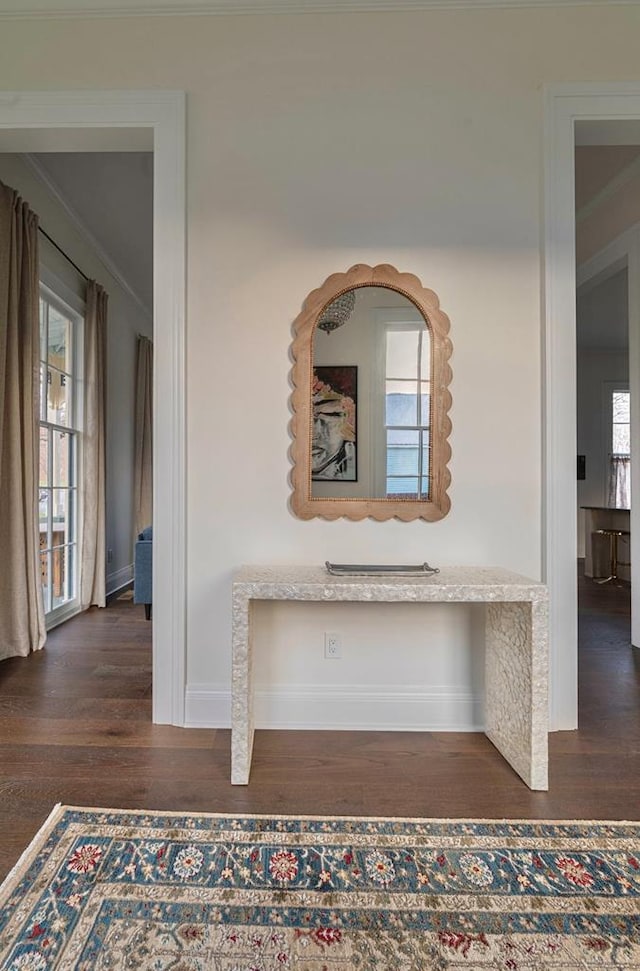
(385, 320)
(51, 291)
(620, 387)
(608, 390)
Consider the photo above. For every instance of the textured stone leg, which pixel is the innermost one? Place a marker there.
(241, 692)
(516, 679)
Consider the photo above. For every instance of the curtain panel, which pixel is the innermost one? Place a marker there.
(143, 460)
(22, 622)
(92, 540)
(619, 488)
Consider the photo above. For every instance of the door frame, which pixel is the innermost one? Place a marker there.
(624, 252)
(565, 104)
(164, 113)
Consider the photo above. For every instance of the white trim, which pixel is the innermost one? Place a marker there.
(164, 113)
(118, 579)
(387, 320)
(443, 708)
(624, 251)
(52, 282)
(63, 613)
(84, 231)
(564, 105)
(15, 9)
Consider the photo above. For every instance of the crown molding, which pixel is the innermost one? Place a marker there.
(38, 9)
(86, 233)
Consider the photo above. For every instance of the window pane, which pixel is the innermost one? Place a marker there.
(402, 436)
(426, 454)
(401, 404)
(62, 511)
(621, 406)
(44, 457)
(44, 579)
(402, 354)
(424, 486)
(406, 486)
(402, 460)
(58, 575)
(425, 358)
(63, 563)
(621, 439)
(43, 330)
(43, 393)
(43, 509)
(62, 457)
(425, 404)
(59, 344)
(58, 397)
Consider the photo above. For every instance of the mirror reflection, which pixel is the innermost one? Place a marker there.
(371, 398)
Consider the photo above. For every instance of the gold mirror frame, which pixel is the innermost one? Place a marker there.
(302, 503)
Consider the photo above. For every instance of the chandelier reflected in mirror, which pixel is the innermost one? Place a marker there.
(338, 312)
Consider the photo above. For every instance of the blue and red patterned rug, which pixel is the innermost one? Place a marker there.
(115, 890)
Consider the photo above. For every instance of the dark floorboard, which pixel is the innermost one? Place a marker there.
(75, 727)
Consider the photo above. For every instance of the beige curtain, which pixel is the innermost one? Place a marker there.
(22, 625)
(619, 487)
(143, 460)
(92, 539)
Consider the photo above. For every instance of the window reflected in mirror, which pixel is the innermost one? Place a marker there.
(371, 398)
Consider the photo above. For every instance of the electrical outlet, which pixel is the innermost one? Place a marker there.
(332, 644)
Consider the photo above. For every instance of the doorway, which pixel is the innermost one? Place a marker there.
(43, 122)
(567, 106)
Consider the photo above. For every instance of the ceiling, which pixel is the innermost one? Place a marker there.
(106, 8)
(602, 315)
(600, 166)
(109, 197)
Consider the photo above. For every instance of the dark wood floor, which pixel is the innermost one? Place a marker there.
(75, 728)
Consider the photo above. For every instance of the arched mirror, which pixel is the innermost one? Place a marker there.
(370, 402)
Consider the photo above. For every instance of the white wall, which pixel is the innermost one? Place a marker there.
(315, 142)
(126, 320)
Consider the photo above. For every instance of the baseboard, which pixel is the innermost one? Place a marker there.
(118, 579)
(354, 708)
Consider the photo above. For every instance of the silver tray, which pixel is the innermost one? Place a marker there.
(381, 570)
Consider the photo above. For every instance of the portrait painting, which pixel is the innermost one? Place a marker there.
(334, 429)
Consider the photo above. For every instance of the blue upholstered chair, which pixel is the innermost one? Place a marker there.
(142, 570)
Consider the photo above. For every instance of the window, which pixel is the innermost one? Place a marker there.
(60, 424)
(407, 410)
(619, 484)
(620, 426)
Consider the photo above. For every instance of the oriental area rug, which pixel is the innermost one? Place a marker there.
(114, 890)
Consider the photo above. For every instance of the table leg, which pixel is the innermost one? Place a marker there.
(516, 687)
(241, 692)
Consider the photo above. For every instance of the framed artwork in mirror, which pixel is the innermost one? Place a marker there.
(371, 399)
(334, 430)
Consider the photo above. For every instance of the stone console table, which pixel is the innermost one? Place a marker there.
(516, 667)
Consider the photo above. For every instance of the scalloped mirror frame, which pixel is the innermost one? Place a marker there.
(302, 503)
